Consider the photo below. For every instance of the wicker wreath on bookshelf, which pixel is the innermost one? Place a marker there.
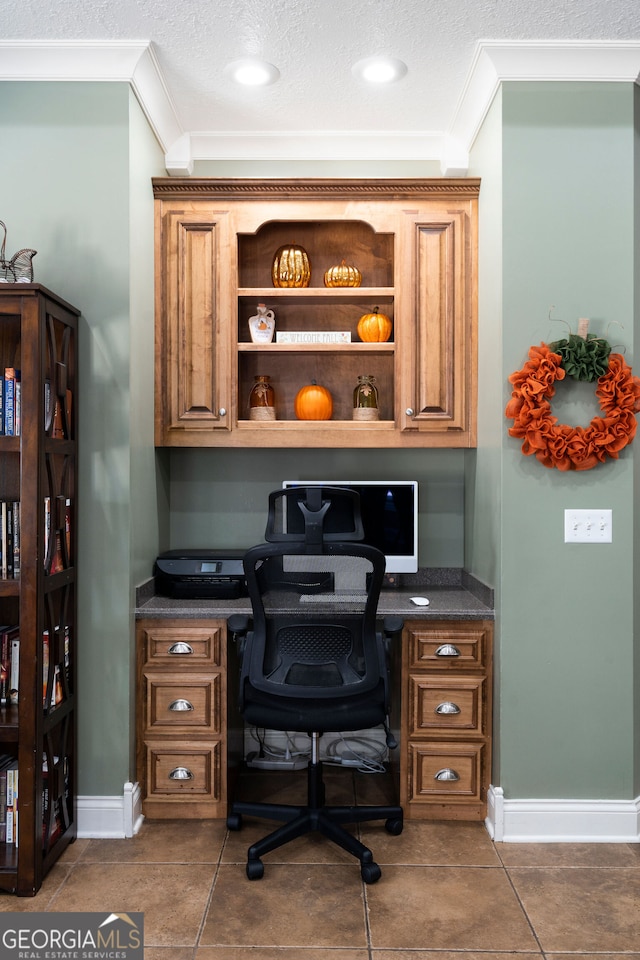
(582, 357)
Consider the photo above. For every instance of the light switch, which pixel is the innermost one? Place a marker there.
(588, 526)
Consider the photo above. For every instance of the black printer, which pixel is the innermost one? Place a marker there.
(200, 574)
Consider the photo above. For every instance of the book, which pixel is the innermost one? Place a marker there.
(5, 665)
(9, 539)
(48, 405)
(3, 540)
(45, 667)
(16, 539)
(14, 673)
(47, 530)
(3, 805)
(9, 404)
(18, 406)
(62, 417)
(12, 803)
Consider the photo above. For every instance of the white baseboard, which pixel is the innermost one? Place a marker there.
(111, 817)
(562, 821)
(508, 821)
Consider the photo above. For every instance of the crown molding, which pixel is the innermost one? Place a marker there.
(494, 63)
(125, 61)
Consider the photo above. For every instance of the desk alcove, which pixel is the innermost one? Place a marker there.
(190, 737)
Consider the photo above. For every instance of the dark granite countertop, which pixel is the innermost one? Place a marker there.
(453, 594)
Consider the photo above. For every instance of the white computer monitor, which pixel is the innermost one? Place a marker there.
(389, 516)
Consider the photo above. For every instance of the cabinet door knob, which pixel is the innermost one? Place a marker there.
(180, 647)
(409, 411)
(447, 650)
(180, 705)
(446, 774)
(447, 707)
(181, 773)
(222, 412)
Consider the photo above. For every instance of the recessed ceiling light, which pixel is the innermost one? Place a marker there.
(379, 69)
(252, 73)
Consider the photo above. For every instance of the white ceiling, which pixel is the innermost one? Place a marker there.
(457, 53)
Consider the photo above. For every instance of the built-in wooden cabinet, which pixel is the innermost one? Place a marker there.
(446, 719)
(190, 735)
(38, 531)
(415, 244)
(182, 730)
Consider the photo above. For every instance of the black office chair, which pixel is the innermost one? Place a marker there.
(312, 660)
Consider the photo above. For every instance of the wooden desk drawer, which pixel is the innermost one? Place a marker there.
(445, 703)
(448, 646)
(181, 645)
(445, 771)
(187, 770)
(175, 703)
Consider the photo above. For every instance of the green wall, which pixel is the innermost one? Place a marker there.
(558, 231)
(68, 150)
(566, 706)
(219, 497)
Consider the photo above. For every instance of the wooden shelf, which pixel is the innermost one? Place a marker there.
(38, 336)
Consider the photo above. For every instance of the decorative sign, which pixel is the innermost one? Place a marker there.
(313, 336)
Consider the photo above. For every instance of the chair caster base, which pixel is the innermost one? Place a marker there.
(394, 827)
(255, 869)
(234, 821)
(370, 872)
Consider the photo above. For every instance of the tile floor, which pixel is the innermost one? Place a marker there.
(446, 893)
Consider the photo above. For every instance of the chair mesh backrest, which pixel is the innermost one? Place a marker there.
(314, 619)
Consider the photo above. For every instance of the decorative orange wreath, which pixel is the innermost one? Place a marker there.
(559, 445)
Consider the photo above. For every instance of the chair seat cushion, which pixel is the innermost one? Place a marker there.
(326, 716)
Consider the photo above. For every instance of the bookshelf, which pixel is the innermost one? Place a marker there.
(38, 487)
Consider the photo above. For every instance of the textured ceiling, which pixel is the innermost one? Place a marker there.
(314, 43)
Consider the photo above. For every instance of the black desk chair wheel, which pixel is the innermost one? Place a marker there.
(313, 662)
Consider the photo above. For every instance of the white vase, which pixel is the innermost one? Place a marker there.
(262, 326)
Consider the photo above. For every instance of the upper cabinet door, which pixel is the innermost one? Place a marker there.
(193, 308)
(437, 356)
(414, 243)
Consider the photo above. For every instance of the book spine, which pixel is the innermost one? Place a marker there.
(9, 401)
(16, 539)
(18, 406)
(3, 806)
(14, 677)
(5, 667)
(3, 539)
(45, 667)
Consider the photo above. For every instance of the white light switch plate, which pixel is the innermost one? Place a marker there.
(588, 526)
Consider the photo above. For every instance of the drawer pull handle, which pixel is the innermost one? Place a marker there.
(181, 773)
(446, 774)
(180, 647)
(446, 708)
(447, 650)
(180, 705)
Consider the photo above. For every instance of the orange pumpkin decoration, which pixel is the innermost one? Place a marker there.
(374, 327)
(313, 402)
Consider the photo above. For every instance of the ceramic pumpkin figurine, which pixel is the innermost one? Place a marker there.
(313, 402)
(374, 327)
(342, 275)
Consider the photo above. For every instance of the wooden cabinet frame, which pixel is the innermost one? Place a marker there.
(212, 263)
